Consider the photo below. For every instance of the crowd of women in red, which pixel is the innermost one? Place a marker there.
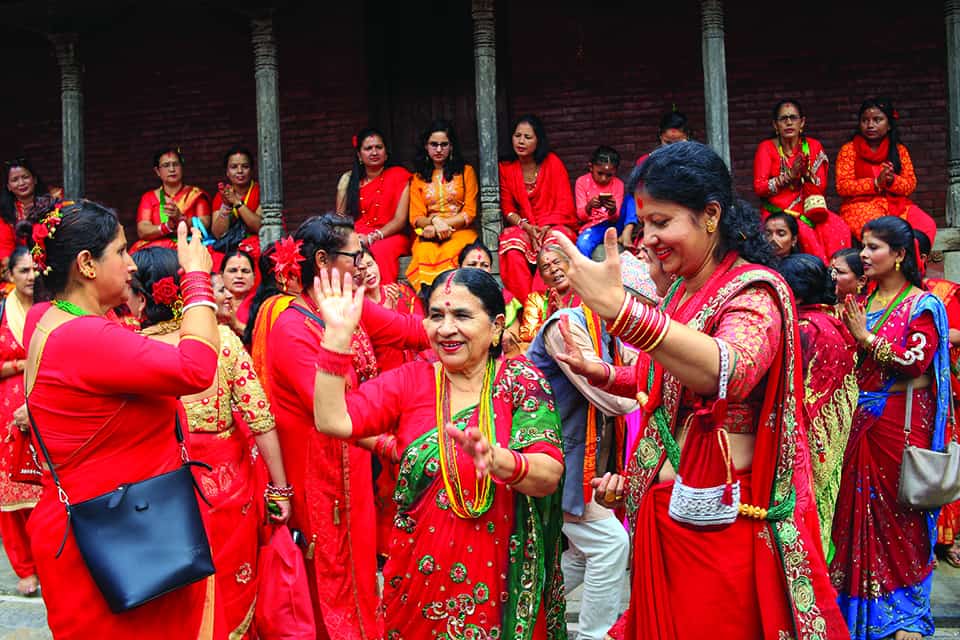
(383, 437)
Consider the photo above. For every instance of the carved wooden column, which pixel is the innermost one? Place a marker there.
(485, 72)
(715, 78)
(71, 99)
(948, 239)
(268, 129)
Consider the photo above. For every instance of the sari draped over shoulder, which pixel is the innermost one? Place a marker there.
(267, 315)
(496, 575)
(192, 201)
(821, 235)
(829, 400)
(771, 571)
(379, 200)
(882, 567)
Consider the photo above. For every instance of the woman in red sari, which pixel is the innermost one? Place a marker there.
(721, 464)
(829, 356)
(232, 487)
(104, 400)
(535, 197)
(161, 209)
(240, 278)
(884, 550)
(377, 196)
(237, 204)
(476, 541)
(21, 184)
(17, 499)
(875, 175)
(335, 508)
(790, 176)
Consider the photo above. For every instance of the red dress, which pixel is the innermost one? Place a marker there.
(378, 204)
(333, 481)
(549, 203)
(193, 202)
(16, 499)
(822, 237)
(104, 400)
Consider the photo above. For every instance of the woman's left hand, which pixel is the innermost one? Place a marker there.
(444, 230)
(20, 418)
(284, 515)
(340, 306)
(855, 318)
(599, 284)
(473, 443)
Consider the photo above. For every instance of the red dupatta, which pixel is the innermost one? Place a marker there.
(550, 202)
(379, 198)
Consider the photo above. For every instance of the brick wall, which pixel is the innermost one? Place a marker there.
(595, 75)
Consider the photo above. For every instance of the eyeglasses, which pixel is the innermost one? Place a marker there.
(356, 256)
(789, 117)
(438, 145)
(170, 165)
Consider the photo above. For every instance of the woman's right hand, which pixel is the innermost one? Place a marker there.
(599, 284)
(608, 490)
(572, 356)
(173, 213)
(340, 307)
(444, 230)
(193, 256)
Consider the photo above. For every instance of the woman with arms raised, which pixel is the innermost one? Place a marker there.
(720, 390)
(481, 461)
(104, 400)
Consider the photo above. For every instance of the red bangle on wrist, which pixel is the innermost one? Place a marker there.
(520, 470)
(334, 363)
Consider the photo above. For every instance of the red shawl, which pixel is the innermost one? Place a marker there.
(868, 165)
(550, 202)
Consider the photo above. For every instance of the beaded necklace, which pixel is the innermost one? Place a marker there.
(482, 494)
(69, 307)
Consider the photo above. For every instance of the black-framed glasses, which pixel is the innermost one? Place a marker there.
(356, 256)
(439, 145)
(789, 117)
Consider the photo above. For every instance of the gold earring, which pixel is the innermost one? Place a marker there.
(859, 289)
(897, 265)
(89, 273)
(711, 225)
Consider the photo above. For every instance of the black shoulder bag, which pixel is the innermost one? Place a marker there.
(143, 539)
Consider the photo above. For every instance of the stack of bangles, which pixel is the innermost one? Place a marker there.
(334, 363)
(386, 447)
(278, 494)
(642, 325)
(370, 236)
(521, 467)
(197, 290)
(879, 348)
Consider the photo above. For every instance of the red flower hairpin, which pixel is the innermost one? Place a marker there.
(166, 292)
(895, 114)
(44, 230)
(353, 141)
(287, 258)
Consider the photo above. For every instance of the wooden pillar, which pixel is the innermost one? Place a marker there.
(485, 72)
(949, 241)
(268, 129)
(715, 78)
(71, 100)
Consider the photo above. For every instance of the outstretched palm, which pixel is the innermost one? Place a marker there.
(340, 306)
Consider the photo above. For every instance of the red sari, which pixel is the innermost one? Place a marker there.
(17, 499)
(829, 355)
(104, 400)
(858, 166)
(771, 572)
(820, 237)
(493, 576)
(252, 200)
(883, 564)
(193, 202)
(379, 199)
(549, 203)
(333, 481)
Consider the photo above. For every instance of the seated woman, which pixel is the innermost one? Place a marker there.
(673, 128)
(161, 209)
(790, 176)
(875, 174)
(17, 196)
(443, 204)
(376, 194)
(598, 195)
(534, 197)
(720, 462)
(480, 444)
(552, 263)
(232, 487)
(829, 356)
(236, 205)
(783, 233)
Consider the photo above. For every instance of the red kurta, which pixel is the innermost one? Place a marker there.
(378, 204)
(825, 237)
(548, 204)
(104, 400)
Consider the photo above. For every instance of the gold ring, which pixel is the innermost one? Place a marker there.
(610, 496)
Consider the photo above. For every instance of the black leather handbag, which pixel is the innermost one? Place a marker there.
(142, 539)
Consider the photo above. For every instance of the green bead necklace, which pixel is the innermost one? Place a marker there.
(69, 307)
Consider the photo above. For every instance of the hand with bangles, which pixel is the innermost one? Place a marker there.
(609, 489)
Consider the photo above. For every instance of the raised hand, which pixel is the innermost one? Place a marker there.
(193, 256)
(855, 318)
(340, 307)
(571, 355)
(473, 443)
(599, 284)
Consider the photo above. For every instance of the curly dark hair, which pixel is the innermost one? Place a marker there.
(809, 279)
(692, 175)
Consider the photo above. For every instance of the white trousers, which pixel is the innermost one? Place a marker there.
(597, 557)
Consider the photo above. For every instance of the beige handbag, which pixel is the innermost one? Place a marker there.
(928, 479)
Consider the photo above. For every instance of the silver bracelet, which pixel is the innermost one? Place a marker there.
(201, 303)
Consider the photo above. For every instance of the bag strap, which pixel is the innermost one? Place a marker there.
(309, 314)
(908, 414)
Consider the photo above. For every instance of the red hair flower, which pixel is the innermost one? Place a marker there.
(353, 141)
(165, 291)
(40, 232)
(287, 258)
(896, 116)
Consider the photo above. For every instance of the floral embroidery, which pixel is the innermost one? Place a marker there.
(458, 572)
(244, 573)
(426, 565)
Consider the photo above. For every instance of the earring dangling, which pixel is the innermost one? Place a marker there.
(496, 339)
(711, 225)
(859, 289)
(897, 265)
(89, 273)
